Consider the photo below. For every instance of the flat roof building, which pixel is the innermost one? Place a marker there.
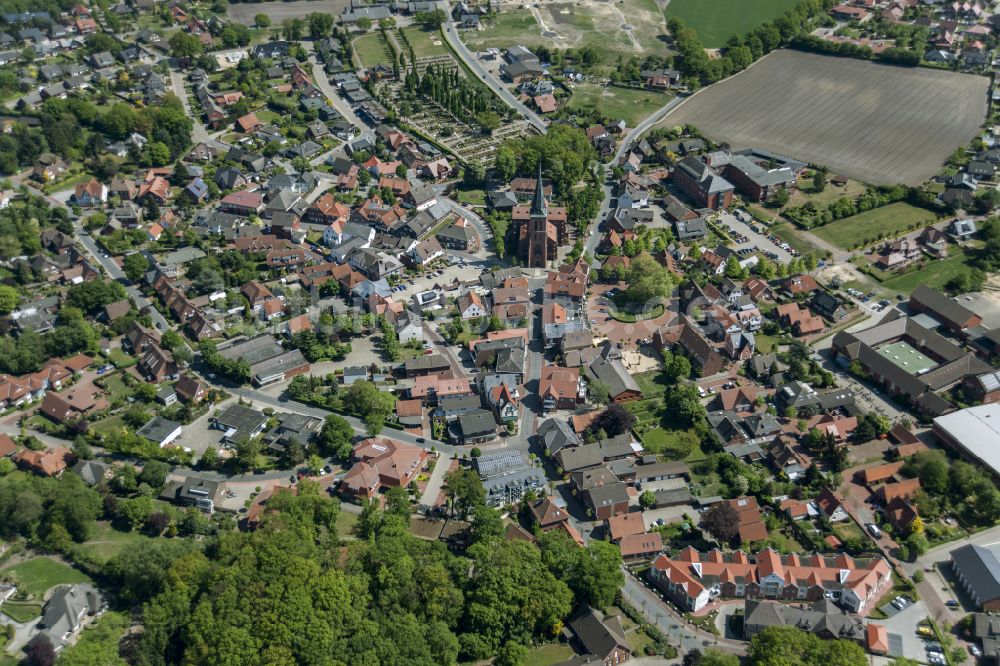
(975, 432)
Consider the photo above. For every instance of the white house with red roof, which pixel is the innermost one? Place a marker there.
(692, 579)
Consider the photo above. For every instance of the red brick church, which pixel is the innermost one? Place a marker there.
(541, 229)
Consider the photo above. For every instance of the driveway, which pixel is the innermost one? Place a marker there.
(429, 499)
(199, 434)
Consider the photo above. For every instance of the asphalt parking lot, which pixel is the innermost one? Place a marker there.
(467, 273)
(199, 434)
(670, 514)
(904, 625)
(761, 241)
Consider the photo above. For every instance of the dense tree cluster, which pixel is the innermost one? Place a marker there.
(29, 350)
(463, 97)
(237, 369)
(48, 512)
(564, 152)
(76, 128)
(791, 646)
(287, 593)
(21, 224)
(953, 486)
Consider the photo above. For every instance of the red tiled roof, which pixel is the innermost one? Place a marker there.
(7, 445)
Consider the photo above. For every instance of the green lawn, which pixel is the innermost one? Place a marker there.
(934, 274)
(471, 197)
(345, 523)
(765, 343)
(673, 444)
(549, 655)
(888, 220)
(848, 530)
(110, 424)
(115, 385)
(268, 116)
(509, 27)
(371, 50)
(616, 103)
(716, 21)
(120, 359)
(106, 541)
(21, 612)
(425, 43)
(40, 574)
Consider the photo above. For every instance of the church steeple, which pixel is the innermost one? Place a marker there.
(538, 206)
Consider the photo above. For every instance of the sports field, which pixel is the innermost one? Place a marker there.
(613, 102)
(876, 123)
(716, 21)
(903, 355)
(890, 220)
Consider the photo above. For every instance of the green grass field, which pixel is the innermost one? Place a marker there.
(616, 103)
(40, 574)
(888, 220)
(423, 42)
(672, 444)
(716, 21)
(507, 28)
(345, 524)
(935, 274)
(21, 612)
(106, 541)
(371, 50)
(549, 655)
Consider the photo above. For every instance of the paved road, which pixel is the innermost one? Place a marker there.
(684, 636)
(636, 132)
(473, 63)
(106, 262)
(434, 483)
(338, 102)
(199, 134)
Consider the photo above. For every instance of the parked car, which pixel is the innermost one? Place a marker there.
(874, 530)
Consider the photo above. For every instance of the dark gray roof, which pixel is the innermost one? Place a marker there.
(477, 423)
(614, 375)
(157, 429)
(244, 419)
(556, 434)
(599, 636)
(980, 568)
(953, 312)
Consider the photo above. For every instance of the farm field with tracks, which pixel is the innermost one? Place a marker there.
(876, 123)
